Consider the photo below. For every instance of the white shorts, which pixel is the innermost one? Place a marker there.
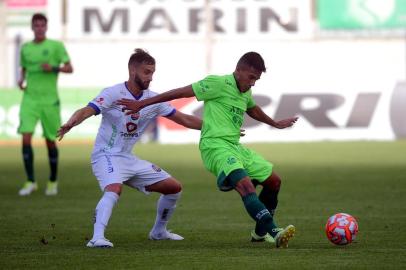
(128, 170)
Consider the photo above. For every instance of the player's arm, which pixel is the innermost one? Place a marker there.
(77, 117)
(65, 68)
(186, 120)
(21, 79)
(135, 106)
(258, 114)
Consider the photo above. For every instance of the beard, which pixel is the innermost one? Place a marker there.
(142, 85)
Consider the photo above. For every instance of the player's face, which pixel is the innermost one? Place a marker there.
(39, 27)
(246, 78)
(143, 75)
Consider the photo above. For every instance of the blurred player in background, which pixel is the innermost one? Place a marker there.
(226, 99)
(41, 61)
(112, 161)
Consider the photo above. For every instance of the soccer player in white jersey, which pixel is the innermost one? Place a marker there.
(113, 163)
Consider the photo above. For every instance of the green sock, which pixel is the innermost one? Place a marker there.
(257, 210)
(270, 199)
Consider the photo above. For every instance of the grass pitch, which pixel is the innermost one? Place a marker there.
(365, 179)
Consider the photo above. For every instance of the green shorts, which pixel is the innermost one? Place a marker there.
(221, 158)
(31, 112)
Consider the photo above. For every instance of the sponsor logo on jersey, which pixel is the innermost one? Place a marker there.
(128, 135)
(131, 127)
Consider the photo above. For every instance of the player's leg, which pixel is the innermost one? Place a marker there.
(51, 121)
(28, 158)
(262, 171)
(242, 183)
(170, 190)
(269, 197)
(102, 215)
(270, 191)
(29, 116)
(52, 185)
(148, 177)
(109, 172)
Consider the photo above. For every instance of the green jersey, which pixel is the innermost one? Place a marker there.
(42, 86)
(224, 107)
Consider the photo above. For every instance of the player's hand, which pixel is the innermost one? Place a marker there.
(130, 105)
(63, 130)
(288, 122)
(46, 67)
(21, 84)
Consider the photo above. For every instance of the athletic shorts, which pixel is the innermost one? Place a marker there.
(49, 116)
(128, 170)
(221, 157)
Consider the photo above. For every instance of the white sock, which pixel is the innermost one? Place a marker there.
(103, 213)
(166, 206)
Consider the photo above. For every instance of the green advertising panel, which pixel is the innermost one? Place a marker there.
(361, 14)
(71, 100)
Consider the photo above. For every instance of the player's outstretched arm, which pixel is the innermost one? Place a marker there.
(258, 114)
(77, 117)
(186, 120)
(134, 106)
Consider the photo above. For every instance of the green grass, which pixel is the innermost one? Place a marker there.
(365, 179)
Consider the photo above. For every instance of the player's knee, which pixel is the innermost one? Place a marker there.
(116, 188)
(175, 187)
(273, 182)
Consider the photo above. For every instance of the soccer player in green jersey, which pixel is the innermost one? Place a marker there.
(226, 99)
(41, 61)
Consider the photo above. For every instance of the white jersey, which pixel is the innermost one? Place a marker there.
(119, 132)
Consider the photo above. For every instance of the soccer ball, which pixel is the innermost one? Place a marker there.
(341, 229)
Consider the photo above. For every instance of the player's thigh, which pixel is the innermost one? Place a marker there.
(108, 170)
(50, 121)
(221, 162)
(145, 174)
(256, 166)
(29, 116)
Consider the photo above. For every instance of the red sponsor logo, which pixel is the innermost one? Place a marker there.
(131, 127)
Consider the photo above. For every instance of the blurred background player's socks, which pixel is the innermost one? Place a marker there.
(28, 157)
(53, 163)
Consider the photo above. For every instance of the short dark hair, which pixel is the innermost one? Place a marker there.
(254, 60)
(141, 56)
(39, 17)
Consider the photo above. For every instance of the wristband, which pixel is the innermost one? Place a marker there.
(55, 69)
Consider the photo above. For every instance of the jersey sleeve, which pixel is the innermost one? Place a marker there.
(207, 89)
(102, 101)
(165, 109)
(63, 54)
